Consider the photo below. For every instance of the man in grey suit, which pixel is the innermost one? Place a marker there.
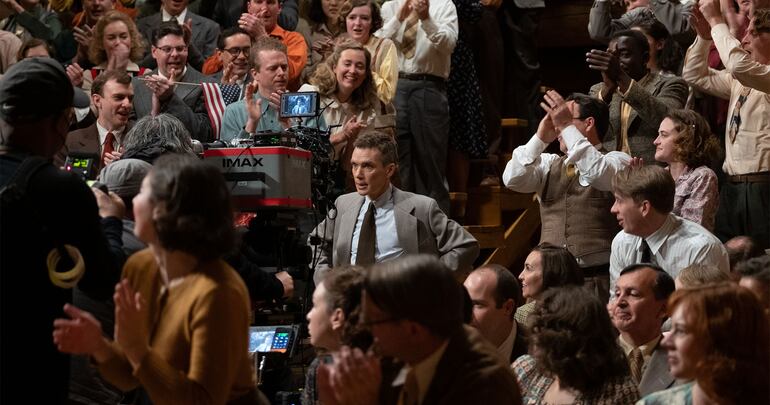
(183, 100)
(674, 14)
(638, 98)
(638, 312)
(379, 222)
(204, 31)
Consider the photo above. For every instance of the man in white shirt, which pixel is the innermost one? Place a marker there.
(745, 81)
(112, 95)
(425, 33)
(644, 198)
(413, 307)
(574, 189)
(495, 294)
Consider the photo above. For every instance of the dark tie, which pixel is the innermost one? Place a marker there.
(646, 252)
(735, 121)
(367, 238)
(108, 146)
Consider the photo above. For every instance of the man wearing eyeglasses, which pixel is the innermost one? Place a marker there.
(173, 87)
(232, 61)
(574, 189)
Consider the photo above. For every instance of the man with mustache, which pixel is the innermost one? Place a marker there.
(638, 312)
(112, 95)
(638, 98)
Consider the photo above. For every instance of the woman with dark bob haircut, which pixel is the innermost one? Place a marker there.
(181, 313)
(575, 358)
(719, 341)
(686, 144)
(546, 266)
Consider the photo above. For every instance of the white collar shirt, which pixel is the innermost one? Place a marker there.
(387, 246)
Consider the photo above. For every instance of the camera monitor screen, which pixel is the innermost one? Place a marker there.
(264, 339)
(303, 104)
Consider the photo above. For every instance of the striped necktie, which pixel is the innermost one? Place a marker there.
(409, 40)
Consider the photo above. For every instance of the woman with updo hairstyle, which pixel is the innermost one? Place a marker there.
(116, 45)
(181, 313)
(719, 342)
(547, 266)
(360, 19)
(348, 99)
(334, 320)
(574, 356)
(686, 144)
(666, 56)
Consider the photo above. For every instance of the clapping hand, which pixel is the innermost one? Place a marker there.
(131, 329)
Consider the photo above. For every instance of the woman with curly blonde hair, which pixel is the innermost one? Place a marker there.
(116, 45)
(348, 99)
(686, 144)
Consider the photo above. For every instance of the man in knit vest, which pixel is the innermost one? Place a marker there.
(574, 190)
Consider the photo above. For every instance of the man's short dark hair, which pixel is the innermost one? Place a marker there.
(227, 34)
(636, 37)
(649, 182)
(265, 44)
(664, 285)
(507, 285)
(119, 76)
(380, 141)
(168, 28)
(419, 288)
(593, 107)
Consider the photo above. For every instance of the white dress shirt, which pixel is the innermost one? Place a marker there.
(506, 348)
(677, 244)
(387, 246)
(117, 133)
(436, 37)
(528, 169)
(165, 16)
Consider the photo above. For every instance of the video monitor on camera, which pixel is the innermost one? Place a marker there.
(302, 104)
(275, 339)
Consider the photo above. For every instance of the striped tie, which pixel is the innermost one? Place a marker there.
(735, 121)
(409, 40)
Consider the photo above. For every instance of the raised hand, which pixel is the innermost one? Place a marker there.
(349, 131)
(131, 329)
(119, 57)
(557, 109)
(75, 74)
(83, 36)
(80, 334)
(405, 10)
(421, 7)
(711, 11)
(355, 376)
(699, 23)
(253, 107)
(110, 205)
(253, 24)
(227, 74)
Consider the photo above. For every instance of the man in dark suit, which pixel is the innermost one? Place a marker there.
(414, 309)
(111, 95)
(638, 98)
(184, 99)
(639, 309)
(402, 223)
(495, 294)
(204, 31)
(233, 52)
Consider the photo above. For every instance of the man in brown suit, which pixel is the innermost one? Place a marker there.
(414, 309)
(111, 95)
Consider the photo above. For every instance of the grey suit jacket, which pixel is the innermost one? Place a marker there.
(421, 226)
(651, 99)
(186, 104)
(657, 376)
(673, 14)
(204, 31)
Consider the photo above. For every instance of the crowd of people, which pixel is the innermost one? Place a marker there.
(650, 283)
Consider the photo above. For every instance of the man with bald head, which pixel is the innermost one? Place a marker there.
(495, 294)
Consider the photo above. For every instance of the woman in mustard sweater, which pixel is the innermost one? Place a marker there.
(181, 313)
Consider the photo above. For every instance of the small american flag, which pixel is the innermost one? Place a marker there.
(217, 97)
